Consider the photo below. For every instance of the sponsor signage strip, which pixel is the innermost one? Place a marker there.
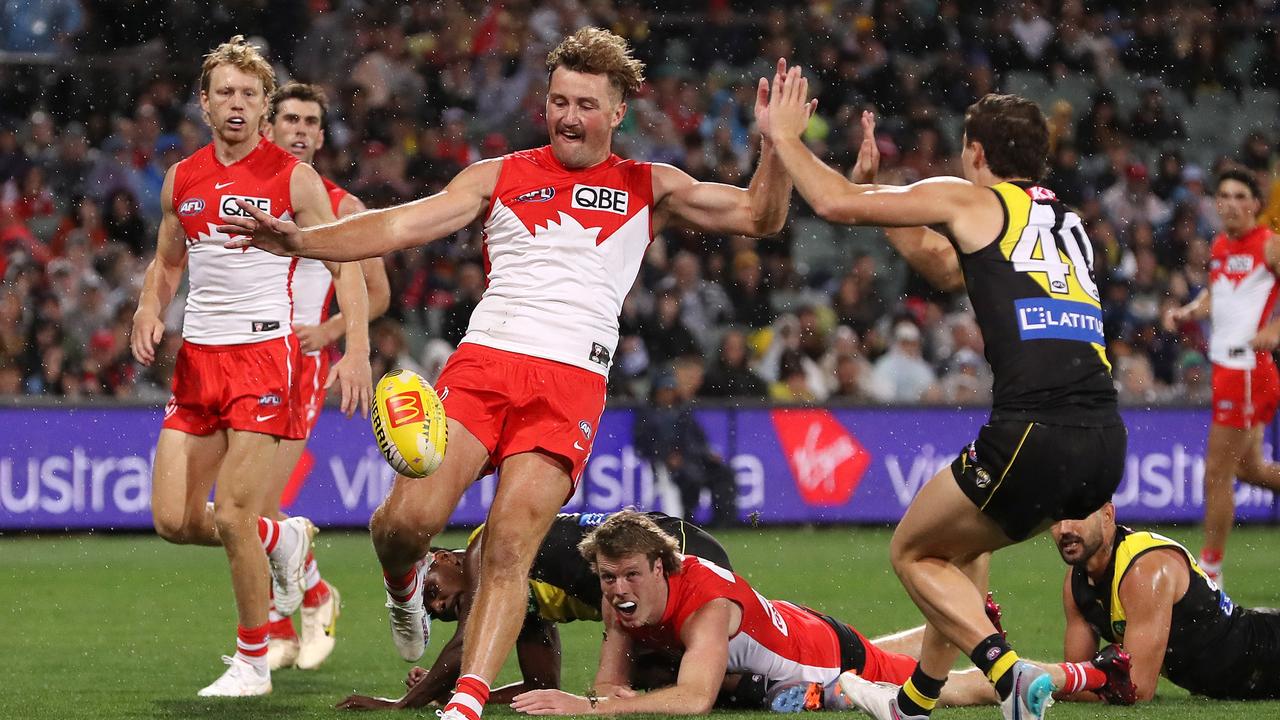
(91, 468)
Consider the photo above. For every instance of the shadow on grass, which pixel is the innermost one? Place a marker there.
(230, 708)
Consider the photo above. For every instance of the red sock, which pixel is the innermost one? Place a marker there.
(315, 597)
(469, 697)
(281, 629)
(268, 533)
(1213, 557)
(1082, 676)
(402, 587)
(251, 644)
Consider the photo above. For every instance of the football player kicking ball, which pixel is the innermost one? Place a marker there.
(565, 229)
(1054, 447)
(234, 385)
(296, 121)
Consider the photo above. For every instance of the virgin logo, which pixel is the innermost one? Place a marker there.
(404, 408)
(826, 461)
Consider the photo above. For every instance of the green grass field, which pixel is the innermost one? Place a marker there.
(129, 627)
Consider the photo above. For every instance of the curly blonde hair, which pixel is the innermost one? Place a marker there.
(599, 52)
(627, 532)
(238, 53)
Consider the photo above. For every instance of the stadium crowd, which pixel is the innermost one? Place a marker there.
(97, 101)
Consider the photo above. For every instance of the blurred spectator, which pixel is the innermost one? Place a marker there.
(901, 375)
(730, 375)
(389, 348)
(665, 334)
(748, 292)
(466, 297)
(792, 385)
(668, 435)
(1131, 201)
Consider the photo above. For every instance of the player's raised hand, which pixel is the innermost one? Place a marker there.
(763, 90)
(147, 331)
(355, 381)
(868, 165)
(789, 106)
(259, 229)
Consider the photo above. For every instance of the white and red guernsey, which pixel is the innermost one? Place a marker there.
(1244, 294)
(238, 296)
(561, 249)
(782, 641)
(312, 281)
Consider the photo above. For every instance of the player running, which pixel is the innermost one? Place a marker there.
(562, 588)
(1246, 387)
(1054, 447)
(565, 227)
(296, 121)
(711, 623)
(234, 395)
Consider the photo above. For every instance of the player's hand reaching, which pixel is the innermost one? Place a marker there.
(366, 702)
(355, 381)
(551, 702)
(147, 331)
(1175, 317)
(1267, 338)
(312, 338)
(415, 676)
(260, 230)
(789, 106)
(868, 165)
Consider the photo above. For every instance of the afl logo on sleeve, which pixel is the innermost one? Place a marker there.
(227, 206)
(191, 206)
(590, 197)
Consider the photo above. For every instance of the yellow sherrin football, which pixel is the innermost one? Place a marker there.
(408, 423)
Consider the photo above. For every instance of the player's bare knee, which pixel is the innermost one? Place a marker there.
(171, 528)
(400, 534)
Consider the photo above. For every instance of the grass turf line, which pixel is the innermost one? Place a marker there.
(129, 627)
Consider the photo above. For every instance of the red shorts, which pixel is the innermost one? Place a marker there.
(882, 666)
(516, 403)
(238, 387)
(1246, 398)
(311, 392)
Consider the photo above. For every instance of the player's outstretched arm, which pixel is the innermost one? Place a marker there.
(965, 209)
(376, 232)
(702, 667)
(927, 252)
(161, 281)
(1079, 642)
(376, 285)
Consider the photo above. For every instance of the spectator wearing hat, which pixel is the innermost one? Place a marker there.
(668, 435)
(902, 375)
(1130, 200)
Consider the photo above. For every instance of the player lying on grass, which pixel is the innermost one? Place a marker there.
(562, 588)
(1146, 591)
(711, 622)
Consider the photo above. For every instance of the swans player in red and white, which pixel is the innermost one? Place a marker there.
(234, 386)
(714, 623)
(296, 121)
(1243, 267)
(565, 229)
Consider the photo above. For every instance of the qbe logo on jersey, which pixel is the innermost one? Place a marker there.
(227, 206)
(590, 197)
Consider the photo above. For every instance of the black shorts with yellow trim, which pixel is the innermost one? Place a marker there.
(1026, 475)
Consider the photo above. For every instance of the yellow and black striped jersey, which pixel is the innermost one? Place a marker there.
(1037, 304)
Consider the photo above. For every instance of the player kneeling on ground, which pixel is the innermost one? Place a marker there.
(710, 623)
(562, 588)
